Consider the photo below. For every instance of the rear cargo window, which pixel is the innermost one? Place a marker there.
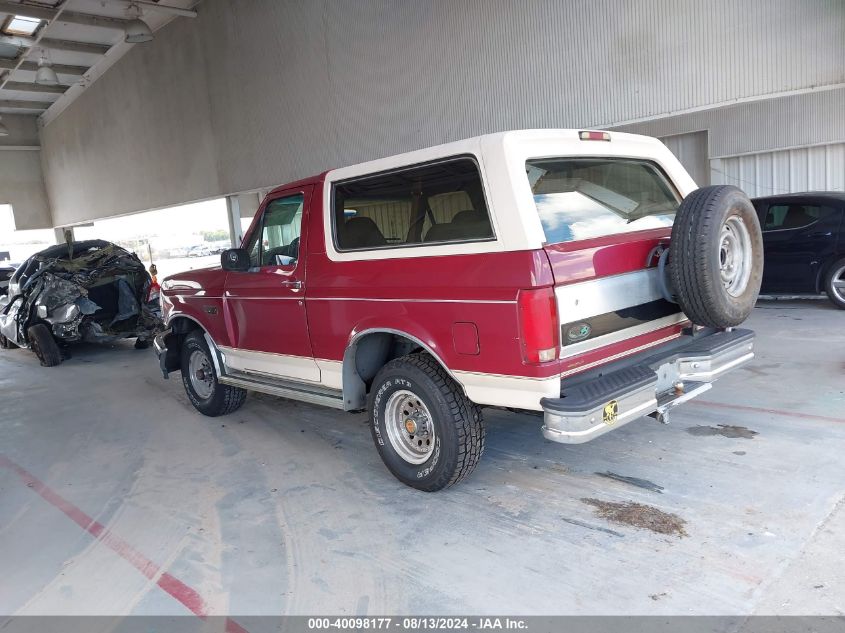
(417, 206)
(580, 198)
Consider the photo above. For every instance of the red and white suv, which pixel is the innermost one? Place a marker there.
(530, 270)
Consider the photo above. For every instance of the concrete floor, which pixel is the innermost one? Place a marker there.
(116, 497)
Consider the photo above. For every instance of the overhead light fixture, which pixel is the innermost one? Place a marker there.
(4, 131)
(45, 75)
(136, 30)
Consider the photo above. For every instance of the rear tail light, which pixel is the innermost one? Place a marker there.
(153, 292)
(538, 327)
(594, 136)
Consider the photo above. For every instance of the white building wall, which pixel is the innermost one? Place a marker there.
(252, 94)
(21, 180)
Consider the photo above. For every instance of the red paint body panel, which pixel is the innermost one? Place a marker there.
(196, 294)
(264, 311)
(603, 256)
(423, 297)
(465, 338)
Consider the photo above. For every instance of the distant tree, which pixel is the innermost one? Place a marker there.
(215, 236)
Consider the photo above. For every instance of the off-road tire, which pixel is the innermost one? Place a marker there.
(458, 424)
(224, 399)
(6, 343)
(696, 257)
(41, 342)
(835, 271)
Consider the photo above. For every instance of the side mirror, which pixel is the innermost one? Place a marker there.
(235, 259)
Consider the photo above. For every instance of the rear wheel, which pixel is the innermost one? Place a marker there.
(427, 432)
(44, 345)
(716, 256)
(207, 395)
(834, 283)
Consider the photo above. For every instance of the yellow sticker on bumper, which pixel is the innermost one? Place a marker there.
(610, 413)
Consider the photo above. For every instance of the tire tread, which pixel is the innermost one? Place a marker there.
(465, 414)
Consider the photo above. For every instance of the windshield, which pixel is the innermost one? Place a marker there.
(580, 198)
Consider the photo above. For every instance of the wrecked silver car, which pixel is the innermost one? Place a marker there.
(92, 291)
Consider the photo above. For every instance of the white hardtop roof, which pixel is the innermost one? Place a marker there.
(562, 142)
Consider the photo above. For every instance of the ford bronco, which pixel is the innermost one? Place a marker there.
(579, 274)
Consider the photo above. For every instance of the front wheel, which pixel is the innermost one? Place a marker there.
(44, 345)
(427, 432)
(834, 283)
(207, 395)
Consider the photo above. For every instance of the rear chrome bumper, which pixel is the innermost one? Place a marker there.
(650, 384)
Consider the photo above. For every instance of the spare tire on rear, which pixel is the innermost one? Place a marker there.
(716, 256)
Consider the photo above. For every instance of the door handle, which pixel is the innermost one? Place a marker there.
(294, 285)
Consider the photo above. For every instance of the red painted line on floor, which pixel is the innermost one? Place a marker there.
(166, 581)
(789, 414)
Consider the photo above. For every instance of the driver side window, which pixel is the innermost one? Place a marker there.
(279, 233)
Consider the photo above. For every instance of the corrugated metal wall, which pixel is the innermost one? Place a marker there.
(251, 94)
(800, 120)
(691, 150)
(820, 168)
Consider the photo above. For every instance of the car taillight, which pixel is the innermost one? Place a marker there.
(153, 292)
(586, 135)
(538, 327)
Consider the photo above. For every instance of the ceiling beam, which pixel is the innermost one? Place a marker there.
(69, 17)
(64, 69)
(54, 44)
(163, 8)
(24, 86)
(76, 47)
(20, 104)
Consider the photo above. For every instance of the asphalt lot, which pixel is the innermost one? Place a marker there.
(116, 497)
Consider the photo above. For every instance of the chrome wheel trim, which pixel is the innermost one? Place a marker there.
(201, 374)
(735, 256)
(837, 283)
(410, 427)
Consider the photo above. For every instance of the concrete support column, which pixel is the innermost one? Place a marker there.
(241, 206)
(60, 234)
(233, 214)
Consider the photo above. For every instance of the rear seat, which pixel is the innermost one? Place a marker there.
(466, 225)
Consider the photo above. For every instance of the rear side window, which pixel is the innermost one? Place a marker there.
(793, 216)
(418, 206)
(581, 198)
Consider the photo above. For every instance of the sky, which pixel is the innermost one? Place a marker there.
(166, 228)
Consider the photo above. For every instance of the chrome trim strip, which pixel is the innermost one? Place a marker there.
(602, 361)
(484, 301)
(230, 297)
(333, 399)
(589, 345)
(252, 351)
(582, 300)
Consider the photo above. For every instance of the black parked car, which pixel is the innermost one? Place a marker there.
(804, 244)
